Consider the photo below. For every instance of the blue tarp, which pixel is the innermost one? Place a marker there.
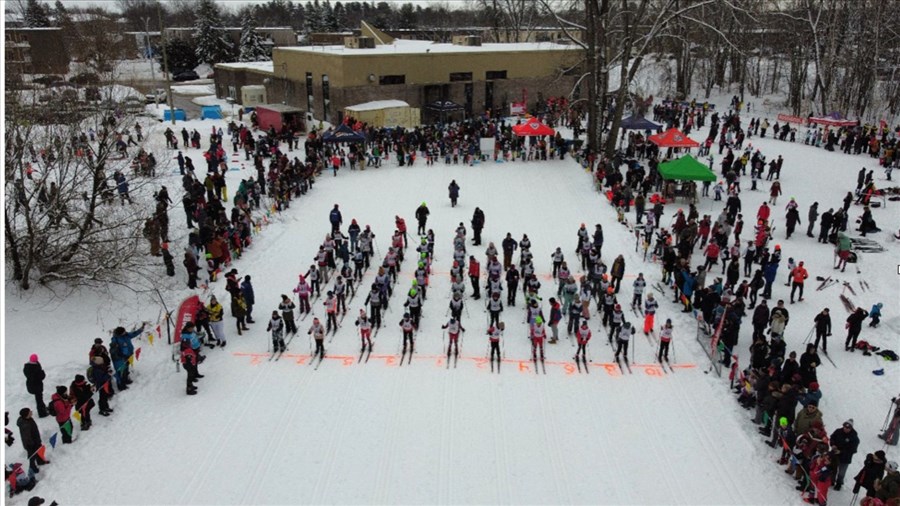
(343, 133)
(639, 123)
(179, 115)
(211, 112)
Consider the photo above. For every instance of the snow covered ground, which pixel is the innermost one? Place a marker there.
(263, 432)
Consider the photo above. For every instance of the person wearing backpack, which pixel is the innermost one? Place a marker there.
(34, 383)
(61, 407)
(99, 375)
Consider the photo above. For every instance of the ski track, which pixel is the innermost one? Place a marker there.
(621, 478)
(672, 485)
(557, 464)
(342, 423)
(275, 440)
(501, 446)
(215, 452)
(387, 462)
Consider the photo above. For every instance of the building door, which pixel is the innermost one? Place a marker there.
(310, 100)
(489, 96)
(468, 105)
(326, 99)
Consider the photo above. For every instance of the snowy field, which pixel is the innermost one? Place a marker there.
(263, 432)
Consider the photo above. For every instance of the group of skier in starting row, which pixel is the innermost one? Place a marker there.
(358, 247)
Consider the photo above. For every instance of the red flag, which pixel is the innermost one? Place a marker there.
(186, 313)
(42, 452)
(106, 387)
(12, 481)
(137, 354)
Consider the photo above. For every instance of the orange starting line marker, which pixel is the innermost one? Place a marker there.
(522, 366)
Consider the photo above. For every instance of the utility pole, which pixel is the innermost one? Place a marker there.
(162, 32)
(147, 50)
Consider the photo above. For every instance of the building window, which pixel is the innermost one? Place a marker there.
(495, 74)
(310, 100)
(383, 80)
(460, 76)
(232, 92)
(326, 98)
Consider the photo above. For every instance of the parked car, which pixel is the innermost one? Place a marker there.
(187, 75)
(156, 96)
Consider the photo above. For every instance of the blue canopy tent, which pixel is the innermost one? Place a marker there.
(343, 133)
(639, 123)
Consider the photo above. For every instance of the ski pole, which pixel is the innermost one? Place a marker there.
(672, 344)
(809, 335)
(887, 418)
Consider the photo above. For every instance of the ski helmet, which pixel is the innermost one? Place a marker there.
(415, 282)
(413, 292)
(538, 320)
(618, 307)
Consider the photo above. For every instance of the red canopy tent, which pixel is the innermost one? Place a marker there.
(673, 138)
(532, 127)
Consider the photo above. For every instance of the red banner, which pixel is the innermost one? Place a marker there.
(186, 313)
(791, 119)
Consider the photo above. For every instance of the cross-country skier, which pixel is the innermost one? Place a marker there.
(538, 334)
(583, 336)
(318, 333)
(453, 328)
(495, 307)
(638, 286)
(287, 314)
(665, 338)
(623, 336)
(276, 326)
(374, 302)
(414, 303)
(494, 332)
(408, 327)
(365, 330)
(303, 291)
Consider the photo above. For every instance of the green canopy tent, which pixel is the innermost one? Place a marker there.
(686, 168)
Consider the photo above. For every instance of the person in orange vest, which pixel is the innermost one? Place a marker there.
(335, 163)
(798, 275)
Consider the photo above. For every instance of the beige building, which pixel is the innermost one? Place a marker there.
(480, 77)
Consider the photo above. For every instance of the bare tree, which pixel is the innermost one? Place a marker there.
(63, 220)
(511, 20)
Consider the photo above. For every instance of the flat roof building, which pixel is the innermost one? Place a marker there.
(324, 80)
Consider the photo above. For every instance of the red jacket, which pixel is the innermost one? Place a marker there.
(799, 274)
(763, 213)
(62, 407)
(474, 268)
(712, 250)
(401, 224)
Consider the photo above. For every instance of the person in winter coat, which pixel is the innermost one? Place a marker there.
(888, 487)
(811, 218)
(454, 192)
(216, 317)
(807, 416)
(844, 442)
(822, 323)
(190, 264)
(422, 218)
(82, 392)
(120, 350)
(249, 297)
(61, 407)
(276, 327)
(30, 435)
(477, 226)
(555, 318)
(239, 312)
(190, 360)
(509, 246)
(821, 474)
(854, 326)
(335, 218)
(798, 276)
(825, 225)
(875, 314)
(792, 219)
(872, 471)
(617, 272)
(34, 383)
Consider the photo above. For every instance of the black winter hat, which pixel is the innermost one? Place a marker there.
(61, 390)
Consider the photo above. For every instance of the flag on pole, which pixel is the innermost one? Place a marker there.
(158, 329)
(150, 338)
(53, 440)
(42, 452)
(137, 354)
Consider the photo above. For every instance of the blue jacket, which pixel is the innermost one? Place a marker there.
(770, 271)
(876, 310)
(687, 288)
(123, 342)
(247, 292)
(335, 216)
(192, 338)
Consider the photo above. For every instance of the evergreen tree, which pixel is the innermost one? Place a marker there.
(36, 15)
(213, 46)
(329, 20)
(252, 46)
